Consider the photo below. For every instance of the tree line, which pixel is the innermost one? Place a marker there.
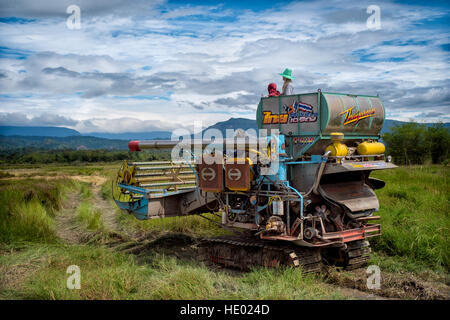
(29, 155)
(409, 143)
(415, 143)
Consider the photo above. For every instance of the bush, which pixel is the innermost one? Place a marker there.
(27, 209)
(413, 143)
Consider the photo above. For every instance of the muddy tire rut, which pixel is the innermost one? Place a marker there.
(66, 228)
(108, 211)
(69, 230)
(393, 285)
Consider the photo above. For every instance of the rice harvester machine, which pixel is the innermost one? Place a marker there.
(298, 194)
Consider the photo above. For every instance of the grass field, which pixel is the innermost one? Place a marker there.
(52, 217)
(415, 208)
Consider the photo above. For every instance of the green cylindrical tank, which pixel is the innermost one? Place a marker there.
(322, 113)
(307, 120)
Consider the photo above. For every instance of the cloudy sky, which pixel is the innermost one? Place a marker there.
(159, 65)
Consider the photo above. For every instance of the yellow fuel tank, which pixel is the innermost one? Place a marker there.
(368, 148)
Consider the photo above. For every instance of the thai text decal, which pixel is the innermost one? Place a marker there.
(296, 112)
(354, 118)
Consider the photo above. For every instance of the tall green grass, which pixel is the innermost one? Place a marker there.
(112, 275)
(414, 210)
(89, 216)
(84, 189)
(27, 208)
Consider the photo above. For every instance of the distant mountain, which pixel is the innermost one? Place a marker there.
(234, 123)
(51, 138)
(58, 143)
(37, 131)
(153, 135)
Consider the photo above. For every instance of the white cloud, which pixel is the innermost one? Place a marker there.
(173, 65)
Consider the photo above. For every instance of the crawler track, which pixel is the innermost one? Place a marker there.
(244, 253)
(357, 254)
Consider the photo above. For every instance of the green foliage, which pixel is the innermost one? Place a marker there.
(8, 143)
(84, 189)
(27, 209)
(414, 210)
(81, 156)
(438, 138)
(413, 143)
(105, 190)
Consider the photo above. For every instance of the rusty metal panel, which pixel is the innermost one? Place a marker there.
(210, 176)
(238, 176)
(355, 195)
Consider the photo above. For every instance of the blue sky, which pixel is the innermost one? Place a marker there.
(161, 65)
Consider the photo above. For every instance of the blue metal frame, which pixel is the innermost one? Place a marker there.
(299, 195)
(134, 189)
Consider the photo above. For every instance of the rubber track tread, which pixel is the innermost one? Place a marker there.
(245, 253)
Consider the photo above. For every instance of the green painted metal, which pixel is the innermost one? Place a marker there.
(279, 112)
(351, 95)
(319, 96)
(303, 151)
(259, 114)
(355, 124)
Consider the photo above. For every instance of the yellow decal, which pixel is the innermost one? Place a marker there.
(270, 118)
(350, 117)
